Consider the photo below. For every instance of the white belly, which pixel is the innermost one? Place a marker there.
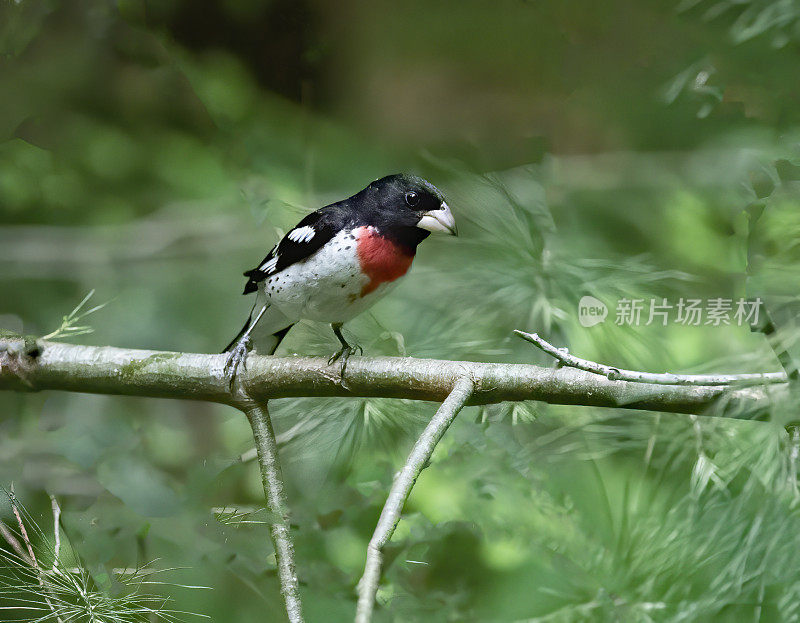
(326, 287)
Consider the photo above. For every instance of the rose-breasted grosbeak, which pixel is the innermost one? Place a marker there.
(340, 260)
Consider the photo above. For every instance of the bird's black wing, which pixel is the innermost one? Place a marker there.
(305, 239)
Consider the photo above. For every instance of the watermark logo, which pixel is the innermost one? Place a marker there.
(591, 311)
(685, 311)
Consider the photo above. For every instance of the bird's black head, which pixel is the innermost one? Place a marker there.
(407, 205)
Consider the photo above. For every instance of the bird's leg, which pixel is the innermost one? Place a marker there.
(343, 353)
(239, 353)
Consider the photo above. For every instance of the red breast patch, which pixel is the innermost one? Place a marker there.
(381, 259)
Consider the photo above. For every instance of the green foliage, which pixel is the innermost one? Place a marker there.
(69, 323)
(621, 150)
(46, 581)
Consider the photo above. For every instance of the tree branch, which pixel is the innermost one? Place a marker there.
(271, 478)
(618, 374)
(401, 488)
(28, 364)
(117, 371)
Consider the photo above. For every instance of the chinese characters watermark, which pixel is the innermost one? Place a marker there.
(660, 311)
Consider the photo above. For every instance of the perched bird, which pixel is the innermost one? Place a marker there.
(339, 260)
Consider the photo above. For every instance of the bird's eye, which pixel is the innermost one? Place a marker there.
(412, 198)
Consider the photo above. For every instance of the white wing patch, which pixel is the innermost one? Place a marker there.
(301, 234)
(269, 265)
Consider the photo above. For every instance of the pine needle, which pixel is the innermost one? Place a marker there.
(69, 323)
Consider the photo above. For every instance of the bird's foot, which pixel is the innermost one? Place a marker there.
(343, 355)
(236, 357)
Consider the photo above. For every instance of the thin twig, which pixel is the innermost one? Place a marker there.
(56, 530)
(401, 488)
(47, 590)
(282, 439)
(271, 478)
(12, 540)
(23, 532)
(666, 378)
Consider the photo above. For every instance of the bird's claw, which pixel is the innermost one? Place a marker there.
(343, 355)
(236, 357)
(338, 354)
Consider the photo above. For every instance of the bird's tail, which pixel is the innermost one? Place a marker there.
(265, 344)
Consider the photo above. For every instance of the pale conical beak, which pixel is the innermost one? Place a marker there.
(439, 220)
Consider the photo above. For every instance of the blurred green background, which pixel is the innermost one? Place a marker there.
(152, 151)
